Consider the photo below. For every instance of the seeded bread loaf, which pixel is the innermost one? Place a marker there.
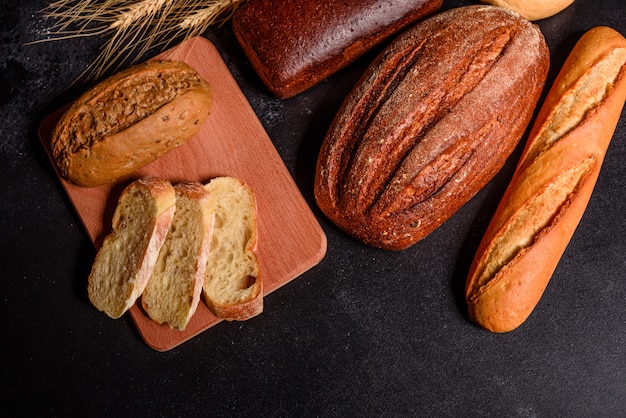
(125, 260)
(294, 44)
(128, 121)
(233, 288)
(431, 121)
(552, 184)
(175, 286)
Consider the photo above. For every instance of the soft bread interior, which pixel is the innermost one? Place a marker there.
(173, 291)
(232, 269)
(113, 286)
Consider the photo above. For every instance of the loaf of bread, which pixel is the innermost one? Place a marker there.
(431, 121)
(175, 286)
(128, 121)
(552, 184)
(233, 288)
(294, 44)
(125, 261)
(533, 9)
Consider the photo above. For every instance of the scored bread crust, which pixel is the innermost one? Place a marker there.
(431, 121)
(129, 120)
(552, 184)
(125, 261)
(174, 289)
(233, 285)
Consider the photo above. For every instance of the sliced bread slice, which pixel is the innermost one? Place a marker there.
(125, 261)
(233, 288)
(174, 290)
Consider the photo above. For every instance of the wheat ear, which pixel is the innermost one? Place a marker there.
(133, 27)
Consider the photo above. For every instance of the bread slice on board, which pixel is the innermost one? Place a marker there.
(128, 254)
(173, 291)
(233, 288)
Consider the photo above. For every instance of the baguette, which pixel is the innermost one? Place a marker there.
(552, 184)
(233, 288)
(431, 121)
(129, 120)
(173, 291)
(294, 44)
(125, 261)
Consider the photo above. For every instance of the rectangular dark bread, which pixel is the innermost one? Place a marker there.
(432, 120)
(552, 184)
(294, 44)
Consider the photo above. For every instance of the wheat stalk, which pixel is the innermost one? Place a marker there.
(132, 27)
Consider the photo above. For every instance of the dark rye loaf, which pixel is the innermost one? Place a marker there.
(432, 120)
(294, 44)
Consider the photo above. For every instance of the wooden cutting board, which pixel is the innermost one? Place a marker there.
(232, 142)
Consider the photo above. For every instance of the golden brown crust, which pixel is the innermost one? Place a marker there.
(295, 44)
(430, 123)
(552, 184)
(532, 9)
(129, 120)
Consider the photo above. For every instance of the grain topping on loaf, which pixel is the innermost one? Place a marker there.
(129, 120)
(127, 102)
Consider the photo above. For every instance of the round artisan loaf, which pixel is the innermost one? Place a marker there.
(533, 9)
(431, 121)
(129, 120)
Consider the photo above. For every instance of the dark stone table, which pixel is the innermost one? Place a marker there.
(364, 333)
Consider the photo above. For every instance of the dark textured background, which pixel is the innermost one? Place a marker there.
(364, 333)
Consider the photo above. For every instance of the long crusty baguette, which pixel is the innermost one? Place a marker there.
(233, 288)
(173, 291)
(125, 261)
(552, 184)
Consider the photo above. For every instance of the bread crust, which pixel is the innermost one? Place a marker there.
(552, 184)
(294, 44)
(129, 120)
(431, 121)
(533, 9)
